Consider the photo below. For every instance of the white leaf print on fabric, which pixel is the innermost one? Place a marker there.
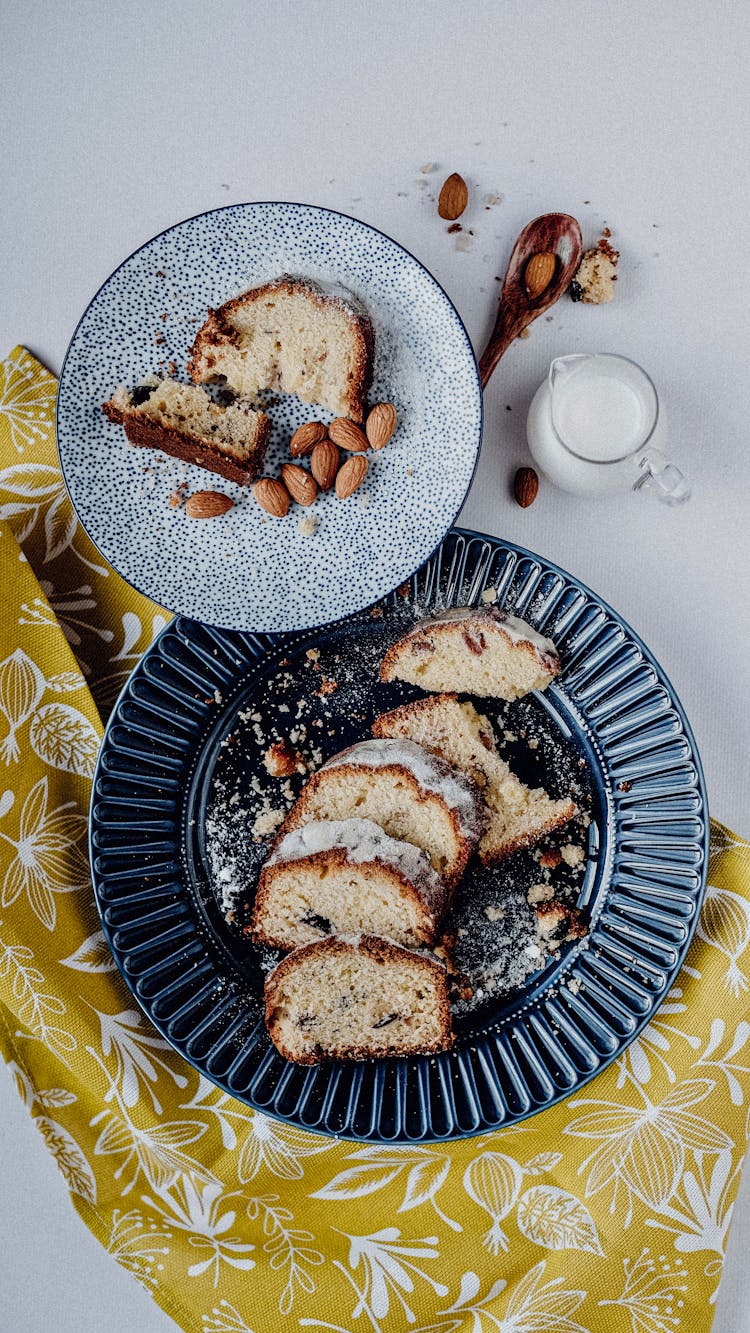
(63, 682)
(135, 1245)
(388, 1271)
(724, 923)
(224, 1318)
(50, 1097)
(650, 1048)
(554, 1218)
(644, 1148)
(380, 1165)
(276, 1147)
(493, 1180)
(726, 1063)
(197, 1208)
(64, 738)
(28, 481)
(288, 1247)
(69, 1158)
(699, 1213)
(91, 956)
(35, 1007)
(22, 685)
(532, 1306)
(47, 857)
(60, 524)
(27, 402)
(134, 1043)
(652, 1294)
(6, 803)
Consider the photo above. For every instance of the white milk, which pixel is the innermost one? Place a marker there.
(589, 423)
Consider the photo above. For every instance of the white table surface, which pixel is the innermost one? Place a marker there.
(120, 120)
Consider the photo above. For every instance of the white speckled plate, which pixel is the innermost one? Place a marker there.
(245, 570)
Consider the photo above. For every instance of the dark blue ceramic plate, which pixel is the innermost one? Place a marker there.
(174, 808)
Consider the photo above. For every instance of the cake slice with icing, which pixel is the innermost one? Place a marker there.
(413, 795)
(342, 877)
(473, 650)
(517, 816)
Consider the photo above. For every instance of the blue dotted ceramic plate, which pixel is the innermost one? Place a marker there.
(245, 570)
(180, 785)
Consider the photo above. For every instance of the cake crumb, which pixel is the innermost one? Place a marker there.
(267, 823)
(551, 857)
(489, 596)
(307, 526)
(494, 913)
(281, 760)
(539, 893)
(572, 855)
(596, 275)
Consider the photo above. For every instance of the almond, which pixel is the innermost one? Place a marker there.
(324, 463)
(348, 436)
(381, 424)
(525, 486)
(300, 485)
(351, 476)
(454, 196)
(207, 504)
(306, 437)
(273, 496)
(539, 273)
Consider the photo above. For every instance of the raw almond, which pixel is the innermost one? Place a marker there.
(381, 424)
(300, 485)
(306, 437)
(324, 463)
(348, 436)
(207, 504)
(525, 486)
(273, 496)
(539, 273)
(454, 196)
(351, 476)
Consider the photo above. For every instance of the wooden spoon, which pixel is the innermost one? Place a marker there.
(555, 233)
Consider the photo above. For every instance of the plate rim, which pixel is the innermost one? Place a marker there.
(319, 208)
(456, 1134)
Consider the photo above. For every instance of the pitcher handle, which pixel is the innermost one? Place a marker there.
(662, 479)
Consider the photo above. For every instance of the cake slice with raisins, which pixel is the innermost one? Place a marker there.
(517, 816)
(474, 650)
(356, 999)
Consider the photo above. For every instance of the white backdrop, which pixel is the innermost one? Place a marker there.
(118, 121)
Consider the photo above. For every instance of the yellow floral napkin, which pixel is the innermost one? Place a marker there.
(607, 1212)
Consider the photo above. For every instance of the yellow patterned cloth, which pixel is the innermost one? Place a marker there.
(607, 1212)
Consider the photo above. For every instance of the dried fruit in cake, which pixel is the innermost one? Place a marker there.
(340, 877)
(357, 999)
(517, 815)
(473, 650)
(413, 795)
(182, 420)
(291, 336)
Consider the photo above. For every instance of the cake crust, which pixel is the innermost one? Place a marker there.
(148, 433)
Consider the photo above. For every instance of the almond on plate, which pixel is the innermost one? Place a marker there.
(351, 476)
(207, 504)
(348, 436)
(306, 437)
(381, 424)
(324, 463)
(273, 496)
(300, 485)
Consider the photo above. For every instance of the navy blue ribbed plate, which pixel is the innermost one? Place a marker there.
(170, 759)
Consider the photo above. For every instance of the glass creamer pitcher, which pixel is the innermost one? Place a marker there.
(594, 427)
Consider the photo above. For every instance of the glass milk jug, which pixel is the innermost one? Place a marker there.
(594, 428)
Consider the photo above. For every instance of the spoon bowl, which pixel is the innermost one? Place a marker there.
(555, 233)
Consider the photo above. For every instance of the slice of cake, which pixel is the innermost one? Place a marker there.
(343, 877)
(291, 336)
(476, 650)
(517, 815)
(357, 999)
(413, 795)
(182, 420)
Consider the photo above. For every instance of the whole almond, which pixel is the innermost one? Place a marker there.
(454, 196)
(207, 504)
(324, 463)
(539, 273)
(300, 485)
(525, 486)
(351, 476)
(348, 436)
(381, 424)
(273, 496)
(306, 437)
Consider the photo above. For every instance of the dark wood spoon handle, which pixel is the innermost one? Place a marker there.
(558, 233)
